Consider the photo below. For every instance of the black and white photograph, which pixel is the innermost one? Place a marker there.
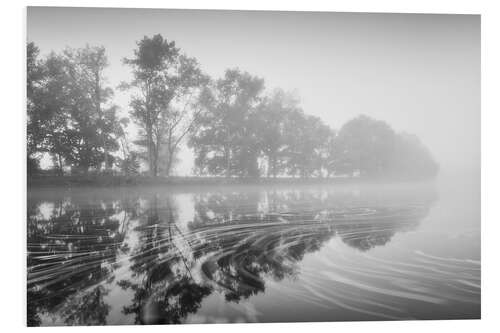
(196, 166)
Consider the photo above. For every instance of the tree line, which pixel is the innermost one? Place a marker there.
(235, 127)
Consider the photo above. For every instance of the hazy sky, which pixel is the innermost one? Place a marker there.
(418, 72)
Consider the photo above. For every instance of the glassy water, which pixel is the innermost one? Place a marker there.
(252, 254)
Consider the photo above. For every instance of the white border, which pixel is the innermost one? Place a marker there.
(12, 142)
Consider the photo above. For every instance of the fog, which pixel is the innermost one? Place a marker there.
(314, 142)
(419, 73)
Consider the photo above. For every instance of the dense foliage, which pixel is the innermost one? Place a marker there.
(165, 87)
(235, 127)
(70, 115)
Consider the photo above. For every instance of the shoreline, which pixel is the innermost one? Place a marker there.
(176, 181)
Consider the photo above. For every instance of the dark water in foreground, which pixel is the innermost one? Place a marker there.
(252, 254)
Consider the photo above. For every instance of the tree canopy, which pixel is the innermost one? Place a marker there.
(235, 126)
(225, 141)
(165, 86)
(70, 113)
(372, 149)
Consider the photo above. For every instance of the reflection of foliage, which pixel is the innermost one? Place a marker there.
(166, 304)
(244, 256)
(368, 241)
(239, 240)
(378, 229)
(164, 290)
(90, 309)
(243, 262)
(224, 207)
(33, 319)
(68, 252)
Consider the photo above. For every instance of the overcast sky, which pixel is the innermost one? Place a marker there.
(420, 73)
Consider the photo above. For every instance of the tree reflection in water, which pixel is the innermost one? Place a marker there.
(79, 252)
(164, 289)
(71, 250)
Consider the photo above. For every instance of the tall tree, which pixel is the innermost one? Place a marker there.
(411, 159)
(47, 88)
(329, 153)
(34, 77)
(225, 141)
(366, 145)
(93, 125)
(305, 137)
(271, 116)
(94, 61)
(166, 85)
(69, 111)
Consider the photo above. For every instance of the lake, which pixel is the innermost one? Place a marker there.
(210, 254)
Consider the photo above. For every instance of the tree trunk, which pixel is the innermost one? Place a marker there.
(60, 166)
(274, 166)
(155, 160)
(269, 162)
(150, 149)
(271, 168)
(168, 167)
(228, 162)
(97, 92)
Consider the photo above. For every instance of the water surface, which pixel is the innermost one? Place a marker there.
(252, 254)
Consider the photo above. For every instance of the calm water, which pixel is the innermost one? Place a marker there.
(253, 254)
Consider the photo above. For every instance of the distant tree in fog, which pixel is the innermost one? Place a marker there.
(271, 117)
(366, 146)
(225, 142)
(305, 137)
(411, 159)
(165, 88)
(329, 153)
(371, 148)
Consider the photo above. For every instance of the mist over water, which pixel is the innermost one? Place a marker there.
(252, 253)
(344, 169)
